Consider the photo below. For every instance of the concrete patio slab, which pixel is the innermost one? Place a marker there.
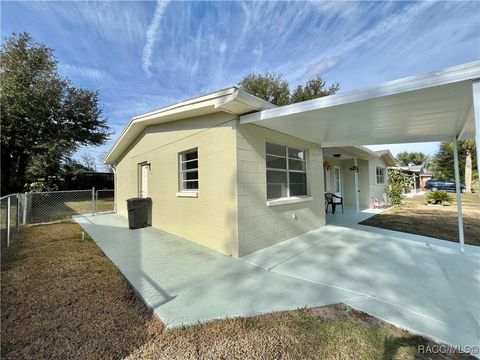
(430, 291)
(185, 283)
(427, 289)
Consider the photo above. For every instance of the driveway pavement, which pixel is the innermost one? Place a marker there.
(428, 289)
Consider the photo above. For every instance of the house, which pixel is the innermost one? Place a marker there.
(235, 188)
(420, 173)
(237, 174)
(343, 167)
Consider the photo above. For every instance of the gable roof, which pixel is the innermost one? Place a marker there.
(387, 156)
(231, 100)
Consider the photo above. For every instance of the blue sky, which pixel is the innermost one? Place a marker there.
(145, 55)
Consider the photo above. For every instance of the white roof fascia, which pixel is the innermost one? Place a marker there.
(196, 106)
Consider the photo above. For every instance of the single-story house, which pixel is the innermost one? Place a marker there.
(420, 173)
(236, 188)
(238, 174)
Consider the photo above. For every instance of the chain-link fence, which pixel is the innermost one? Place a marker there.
(42, 207)
(104, 201)
(10, 218)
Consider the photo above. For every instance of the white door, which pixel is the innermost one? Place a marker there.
(337, 181)
(144, 180)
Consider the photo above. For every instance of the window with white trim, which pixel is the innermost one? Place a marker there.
(188, 166)
(380, 175)
(286, 172)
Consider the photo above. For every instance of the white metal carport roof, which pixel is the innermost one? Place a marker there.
(431, 107)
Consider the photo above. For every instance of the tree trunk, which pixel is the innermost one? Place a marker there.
(468, 171)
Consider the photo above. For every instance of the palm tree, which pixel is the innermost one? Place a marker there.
(469, 147)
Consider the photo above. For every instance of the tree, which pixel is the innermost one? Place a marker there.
(313, 89)
(443, 163)
(275, 89)
(416, 158)
(89, 162)
(469, 147)
(44, 117)
(108, 167)
(270, 87)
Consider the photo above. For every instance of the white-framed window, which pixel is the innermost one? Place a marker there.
(380, 175)
(188, 170)
(286, 171)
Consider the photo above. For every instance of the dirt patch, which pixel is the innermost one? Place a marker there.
(62, 298)
(415, 216)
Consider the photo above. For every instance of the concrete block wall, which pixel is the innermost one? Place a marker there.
(211, 218)
(259, 225)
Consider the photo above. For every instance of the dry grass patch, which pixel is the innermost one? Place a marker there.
(62, 299)
(416, 217)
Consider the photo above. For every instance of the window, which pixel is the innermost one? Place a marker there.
(286, 172)
(189, 170)
(380, 172)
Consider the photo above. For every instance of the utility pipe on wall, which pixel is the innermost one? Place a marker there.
(459, 195)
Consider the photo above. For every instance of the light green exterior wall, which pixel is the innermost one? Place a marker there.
(210, 219)
(365, 180)
(230, 214)
(260, 225)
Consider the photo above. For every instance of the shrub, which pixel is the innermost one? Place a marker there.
(439, 197)
(398, 181)
(394, 193)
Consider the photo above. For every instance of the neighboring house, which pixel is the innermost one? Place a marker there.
(340, 170)
(419, 172)
(234, 188)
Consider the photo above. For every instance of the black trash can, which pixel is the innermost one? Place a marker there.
(139, 212)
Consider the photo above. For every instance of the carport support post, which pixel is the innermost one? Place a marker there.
(357, 190)
(476, 114)
(459, 194)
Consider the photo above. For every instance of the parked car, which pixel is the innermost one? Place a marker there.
(446, 185)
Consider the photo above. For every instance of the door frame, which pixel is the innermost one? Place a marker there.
(340, 180)
(141, 166)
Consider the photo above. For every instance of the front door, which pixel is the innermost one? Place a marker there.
(144, 168)
(337, 181)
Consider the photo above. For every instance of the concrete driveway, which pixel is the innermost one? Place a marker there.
(428, 289)
(431, 290)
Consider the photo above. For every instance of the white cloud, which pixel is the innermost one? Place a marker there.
(84, 72)
(151, 35)
(322, 67)
(222, 47)
(343, 9)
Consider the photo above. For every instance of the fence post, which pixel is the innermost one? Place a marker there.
(18, 211)
(25, 208)
(93, 201)
(8, 221)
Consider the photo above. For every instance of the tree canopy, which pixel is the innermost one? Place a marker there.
(442, 163)
(274, 88)
(416, 158)
(45, 118)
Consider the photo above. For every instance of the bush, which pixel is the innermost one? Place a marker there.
(394, 193)
(439, 197)
(398, 181)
